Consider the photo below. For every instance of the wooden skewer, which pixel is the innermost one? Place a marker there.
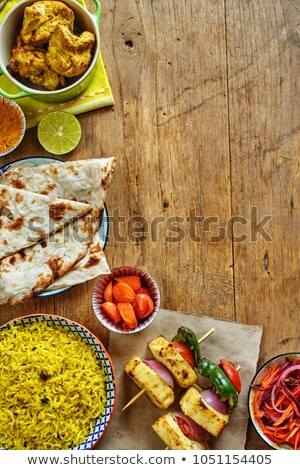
(206, 335)
(138, 395)
(142, 391)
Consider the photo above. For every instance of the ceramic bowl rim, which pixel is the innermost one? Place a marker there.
(77, 325)
(259, 371)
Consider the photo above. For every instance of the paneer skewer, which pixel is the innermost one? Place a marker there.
(147, 380)
(157, 386)
(194, 405)
(171, 428)
(202, 415)
(167, 354)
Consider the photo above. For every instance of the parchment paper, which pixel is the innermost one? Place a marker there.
(131, 429)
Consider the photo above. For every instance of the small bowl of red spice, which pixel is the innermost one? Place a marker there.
(126, 300)
(274, 401)
(12, 125)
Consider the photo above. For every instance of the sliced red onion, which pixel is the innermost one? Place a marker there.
(283, 375)
(213, 400)
(287, 371)
(197, 433)
(161, 370)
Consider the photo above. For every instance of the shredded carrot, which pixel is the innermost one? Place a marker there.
(279, 418)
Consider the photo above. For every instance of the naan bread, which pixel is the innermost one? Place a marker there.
(28, 272)
(93, 264)
(26, 217)
(81, 180)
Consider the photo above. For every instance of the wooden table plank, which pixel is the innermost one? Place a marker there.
(169, 82)
(263, 71)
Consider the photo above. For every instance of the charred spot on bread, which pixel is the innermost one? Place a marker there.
(17, 224)
(19, 198)
(92, 261)
(12, 260)
(57, 210)
(18, 184)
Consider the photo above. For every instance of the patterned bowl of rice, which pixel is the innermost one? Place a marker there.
(57, 382)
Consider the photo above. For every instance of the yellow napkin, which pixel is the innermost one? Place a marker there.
(97, 95)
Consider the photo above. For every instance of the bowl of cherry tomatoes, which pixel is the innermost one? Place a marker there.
(126, 300)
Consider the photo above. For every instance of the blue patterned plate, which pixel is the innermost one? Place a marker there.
(101, 424)
(37, 161)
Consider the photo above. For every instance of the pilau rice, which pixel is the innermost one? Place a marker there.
(52, 387)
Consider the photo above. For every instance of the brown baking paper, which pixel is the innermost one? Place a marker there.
(131, 429)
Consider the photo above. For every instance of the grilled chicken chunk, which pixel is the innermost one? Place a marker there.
(167, 429)
(68, 54)
(156, 389)
(42, 18)
(30, 62)
(164, 352)
(193, 405)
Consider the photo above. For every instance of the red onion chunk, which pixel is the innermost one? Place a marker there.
(286, 371)
(191, 429)
(213, 400)
(161, 370)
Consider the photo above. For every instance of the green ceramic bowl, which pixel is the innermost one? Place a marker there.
(9, 29)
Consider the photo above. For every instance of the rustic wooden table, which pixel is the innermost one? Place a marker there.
(206, 190)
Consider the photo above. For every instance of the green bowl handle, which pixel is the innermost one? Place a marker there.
(10, 96)
(97, 13)
(14, 96)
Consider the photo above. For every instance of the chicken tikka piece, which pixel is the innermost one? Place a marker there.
(30, 62)
(68, 54)
(41, 19)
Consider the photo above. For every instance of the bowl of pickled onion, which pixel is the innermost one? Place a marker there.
(274, 401)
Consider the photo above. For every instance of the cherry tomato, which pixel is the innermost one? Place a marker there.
(184, 427)
(108, 292)
(232, 374)
(123, 293)
(141, 306)
(185, 352)
(112, 311)
(133, 281)
(143, 290)
(128, 315)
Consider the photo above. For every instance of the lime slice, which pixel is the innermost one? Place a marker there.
(59, 132)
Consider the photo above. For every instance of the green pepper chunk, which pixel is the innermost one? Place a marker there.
(220, 381)
(187, 336)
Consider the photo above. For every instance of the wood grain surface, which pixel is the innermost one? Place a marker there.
(206, 132)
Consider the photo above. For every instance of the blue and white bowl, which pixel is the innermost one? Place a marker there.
(101, 424)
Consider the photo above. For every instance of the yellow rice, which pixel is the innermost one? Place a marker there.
(52, 387)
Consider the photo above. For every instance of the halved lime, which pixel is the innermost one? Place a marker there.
(59, 132)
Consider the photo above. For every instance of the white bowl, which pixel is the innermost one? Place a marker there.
(146, 280)
(257, 379)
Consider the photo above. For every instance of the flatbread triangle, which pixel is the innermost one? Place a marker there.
(26, 217)
(74, 262)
